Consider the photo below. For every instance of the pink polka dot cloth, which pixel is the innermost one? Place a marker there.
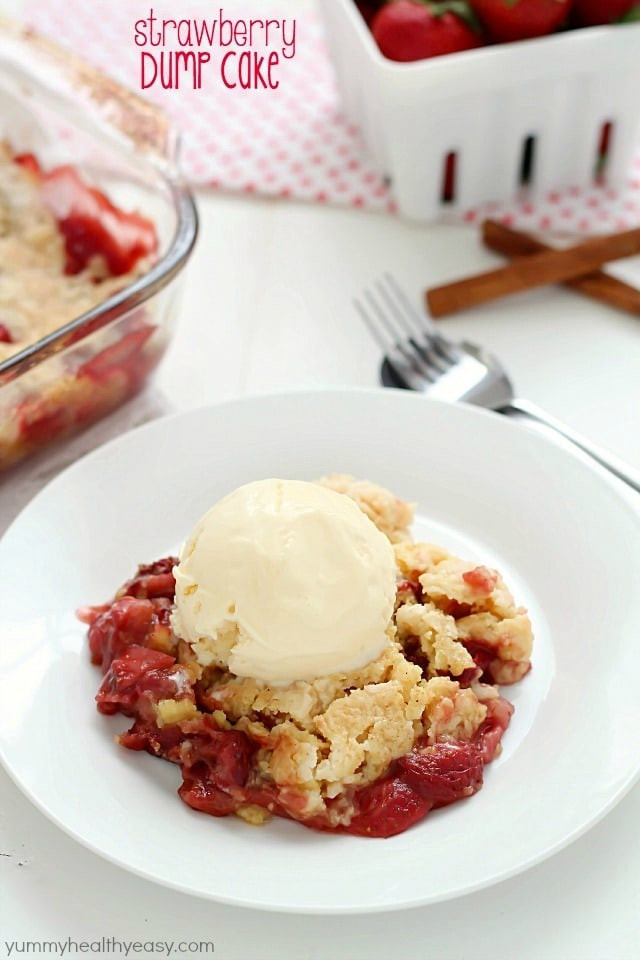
(293, 141)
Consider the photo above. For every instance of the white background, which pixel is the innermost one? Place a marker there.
(266, 305)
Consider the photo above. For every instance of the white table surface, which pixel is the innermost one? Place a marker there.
(267, 305)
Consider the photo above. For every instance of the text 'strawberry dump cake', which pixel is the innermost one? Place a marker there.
(305, 658)
(64, 249)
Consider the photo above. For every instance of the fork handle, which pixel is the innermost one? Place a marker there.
(603, 457)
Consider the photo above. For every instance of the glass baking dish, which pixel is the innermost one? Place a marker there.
(62, 111)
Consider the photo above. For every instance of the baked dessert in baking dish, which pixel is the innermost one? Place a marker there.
(65, 248)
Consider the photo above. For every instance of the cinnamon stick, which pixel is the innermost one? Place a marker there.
(535, 270)
(598, 285)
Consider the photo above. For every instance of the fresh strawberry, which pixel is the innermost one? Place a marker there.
(588, 13)
(415, 30)
(5, 334)
(506, 20)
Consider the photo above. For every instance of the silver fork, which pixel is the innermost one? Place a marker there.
(420, 358)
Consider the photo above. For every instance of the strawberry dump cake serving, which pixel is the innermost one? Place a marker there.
(305, 658)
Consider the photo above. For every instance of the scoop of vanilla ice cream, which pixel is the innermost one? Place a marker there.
(284, 580)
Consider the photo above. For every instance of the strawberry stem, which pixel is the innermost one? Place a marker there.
(631, 16)
(459, 8)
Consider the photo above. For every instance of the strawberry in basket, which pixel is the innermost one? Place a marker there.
(506, 20)
(415, 30)
(588, 13)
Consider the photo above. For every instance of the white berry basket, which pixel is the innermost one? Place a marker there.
(506, 120)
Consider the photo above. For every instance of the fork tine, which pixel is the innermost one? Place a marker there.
(404, 307)
(409, 348)
(397, 343)
(405, 360)
(371, 327)
(416, 335)
(386, 292)
(444, 348)
(448, 351)
(396, 338)
(426, 361)
(394, 355)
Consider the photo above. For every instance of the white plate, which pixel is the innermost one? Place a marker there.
(566, 538)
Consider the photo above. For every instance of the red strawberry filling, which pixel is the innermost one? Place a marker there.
(90, 224)
(135, 680)
(129, 639)
(481, 579)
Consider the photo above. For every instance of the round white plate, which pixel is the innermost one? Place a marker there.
(566, 538)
